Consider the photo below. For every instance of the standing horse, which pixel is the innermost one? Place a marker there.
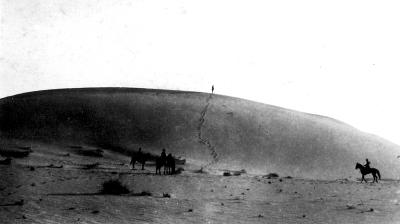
(364, 171)
(170, 164)
(138, 157)
(160, 162)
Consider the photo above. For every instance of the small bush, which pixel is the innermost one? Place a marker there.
(114, 187)
(166, 195)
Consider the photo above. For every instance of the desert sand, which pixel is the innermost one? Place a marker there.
(70, 194)
(65, 144)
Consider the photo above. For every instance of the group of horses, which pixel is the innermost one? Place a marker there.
(167, 162)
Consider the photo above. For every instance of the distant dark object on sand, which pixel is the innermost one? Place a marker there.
(114, 187)
(16, 203)
(200, 171)
(271, 176)
(75, 147)
(88, 152)
(15, 152)
(180, 161)
(55, 166)
(179, 170)
(143, 193)
(228, 173)
(6, 161)
(166, 195)
(90, 166)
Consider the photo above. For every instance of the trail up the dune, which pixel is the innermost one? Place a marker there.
(203, 140)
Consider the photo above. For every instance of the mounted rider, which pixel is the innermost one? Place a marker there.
(367, 164)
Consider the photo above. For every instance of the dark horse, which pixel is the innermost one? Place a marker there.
(160, 162)
(138, 157)
(365, 171)
(170, 164)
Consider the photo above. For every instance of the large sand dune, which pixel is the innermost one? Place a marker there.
(214, 131)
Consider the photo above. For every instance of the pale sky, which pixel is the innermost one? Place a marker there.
(335, 58)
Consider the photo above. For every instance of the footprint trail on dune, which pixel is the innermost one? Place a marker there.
(203, 140)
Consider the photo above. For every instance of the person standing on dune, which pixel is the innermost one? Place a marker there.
(212, 89)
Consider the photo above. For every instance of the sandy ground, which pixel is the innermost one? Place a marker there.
(68, 195)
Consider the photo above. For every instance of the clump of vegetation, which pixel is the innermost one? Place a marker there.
(114, 187)
(166, 195)
(227, 174)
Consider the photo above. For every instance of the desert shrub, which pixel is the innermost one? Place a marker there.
(114, 187)
(227, 174)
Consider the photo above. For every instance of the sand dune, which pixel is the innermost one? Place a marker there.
(216, 131)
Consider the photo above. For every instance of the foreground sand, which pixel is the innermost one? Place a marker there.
(68, 195)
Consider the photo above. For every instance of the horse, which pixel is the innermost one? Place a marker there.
(170, 164)
(138, 157)
(364, 171)
(160, 162)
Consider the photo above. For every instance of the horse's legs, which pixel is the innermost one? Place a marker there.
(363, 179)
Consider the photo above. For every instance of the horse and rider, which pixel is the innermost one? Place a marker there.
(138, 157)
(366, 169)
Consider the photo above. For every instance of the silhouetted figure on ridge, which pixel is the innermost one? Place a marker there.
(212, 89)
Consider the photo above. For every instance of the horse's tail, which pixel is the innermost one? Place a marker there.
(379, 174)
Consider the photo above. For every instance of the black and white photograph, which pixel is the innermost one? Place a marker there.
(184, 111)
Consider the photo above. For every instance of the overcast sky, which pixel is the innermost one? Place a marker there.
(335, 58)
